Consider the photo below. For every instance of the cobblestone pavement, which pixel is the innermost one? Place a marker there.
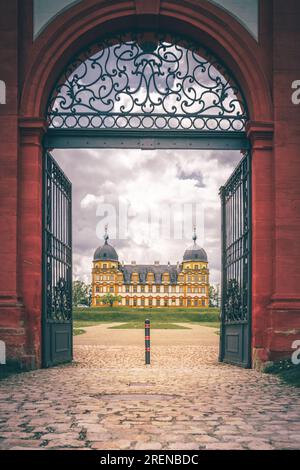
(108, 399)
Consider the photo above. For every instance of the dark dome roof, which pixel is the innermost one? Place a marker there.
(195, 253)
(105, 252)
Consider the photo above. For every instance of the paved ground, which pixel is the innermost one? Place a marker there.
(185, 400)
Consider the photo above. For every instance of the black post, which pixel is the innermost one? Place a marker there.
(147, 342)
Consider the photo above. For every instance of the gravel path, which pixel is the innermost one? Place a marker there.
(103, 335)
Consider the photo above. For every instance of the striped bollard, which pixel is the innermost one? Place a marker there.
(147, 342)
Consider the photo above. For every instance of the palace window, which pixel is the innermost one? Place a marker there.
(149, 288)
(196, 266)
(142, 288)
(127, 288)
(203, 302)
(142, 302)
(181, 302)
(111, 289)
(166, 289)
(150, 302)
(158, 302)
(166, 302)
(134, 302)
(135, 288)
(196, 302)
(188, 302)
(97, 289)
(127, 301)
(150, 277)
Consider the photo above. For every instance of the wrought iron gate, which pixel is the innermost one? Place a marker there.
(57, 265)
(146, 90)
(235, 344)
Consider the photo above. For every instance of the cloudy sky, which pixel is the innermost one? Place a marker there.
(150, 200)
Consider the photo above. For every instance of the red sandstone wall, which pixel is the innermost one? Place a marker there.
(11, 314)
(284, 321)
(276, 193)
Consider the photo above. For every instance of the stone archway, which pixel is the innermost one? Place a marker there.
(69, 33)
(145, 89)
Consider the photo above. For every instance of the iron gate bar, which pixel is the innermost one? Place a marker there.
(235, 338)
(57, 264)
(93, 138)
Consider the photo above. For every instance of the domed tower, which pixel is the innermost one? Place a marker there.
(195, 273)
(106, 254)
(195, 254)
(105, 271)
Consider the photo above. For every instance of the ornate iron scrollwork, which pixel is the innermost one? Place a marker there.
(147, 81)
(233, 301)
(62, 302)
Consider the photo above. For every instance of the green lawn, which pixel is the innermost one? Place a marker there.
(89, 317)
(78, 331)
(155, 326)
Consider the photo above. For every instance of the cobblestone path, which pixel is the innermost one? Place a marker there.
(108, 399)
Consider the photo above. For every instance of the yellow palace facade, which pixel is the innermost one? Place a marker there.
(185, 284)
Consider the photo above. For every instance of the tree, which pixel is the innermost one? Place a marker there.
(81, 293)
(109, 299)
(213, 296)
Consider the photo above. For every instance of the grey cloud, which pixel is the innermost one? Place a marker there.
(191, 175)
(135, 174)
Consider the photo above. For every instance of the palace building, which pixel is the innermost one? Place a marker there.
(185, 284)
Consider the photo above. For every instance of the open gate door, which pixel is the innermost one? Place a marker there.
(235, 339)
(57, 265)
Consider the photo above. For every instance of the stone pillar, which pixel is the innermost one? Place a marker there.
(284, 308)
(30, 231)
(261, 138)
(12, 330)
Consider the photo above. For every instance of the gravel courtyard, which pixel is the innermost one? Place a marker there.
(108, 399)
